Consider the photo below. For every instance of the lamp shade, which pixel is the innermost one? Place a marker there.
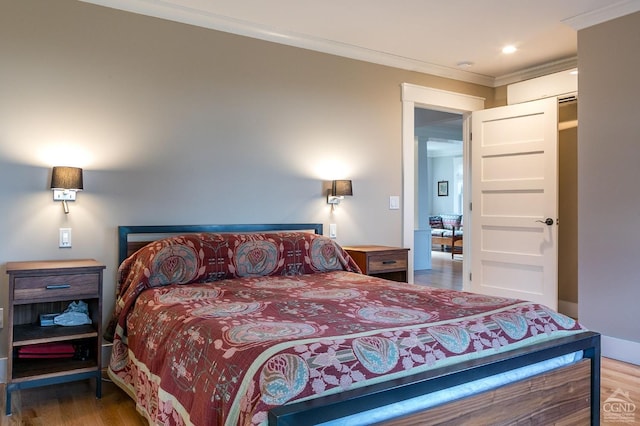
(66, 178)
(341, 188)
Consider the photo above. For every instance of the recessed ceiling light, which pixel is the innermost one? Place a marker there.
(509, 49)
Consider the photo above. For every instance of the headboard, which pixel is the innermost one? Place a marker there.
(132, 238)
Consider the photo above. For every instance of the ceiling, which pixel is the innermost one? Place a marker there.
(460, 39)
(442, 132)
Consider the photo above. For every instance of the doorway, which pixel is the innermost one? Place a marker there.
(439, 193)
(437, 100)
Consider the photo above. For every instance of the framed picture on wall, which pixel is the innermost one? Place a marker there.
(443, 188)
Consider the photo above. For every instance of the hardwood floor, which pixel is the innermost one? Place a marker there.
(622, 380)
(445, 272)
(71, 404)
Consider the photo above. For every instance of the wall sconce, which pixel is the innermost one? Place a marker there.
(339, 188)
(65, 182)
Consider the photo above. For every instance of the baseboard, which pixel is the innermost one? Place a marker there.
(622, 350)
(619, 349)
(106, 355)
(569, 309)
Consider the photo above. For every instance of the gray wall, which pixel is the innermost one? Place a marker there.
(608, 179)
(176, 124)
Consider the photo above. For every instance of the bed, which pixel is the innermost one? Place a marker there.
(275, 324)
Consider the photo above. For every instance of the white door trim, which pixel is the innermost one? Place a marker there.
(440, 100)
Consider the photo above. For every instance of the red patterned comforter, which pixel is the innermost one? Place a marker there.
(214, 329)
(228, 351)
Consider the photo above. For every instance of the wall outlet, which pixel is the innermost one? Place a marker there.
(65, 238)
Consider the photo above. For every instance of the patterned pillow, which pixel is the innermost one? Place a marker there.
(435, 222)
(451, 220)
(204, 257)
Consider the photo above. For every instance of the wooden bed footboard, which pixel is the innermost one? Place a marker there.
(570, 394)
(559, 396)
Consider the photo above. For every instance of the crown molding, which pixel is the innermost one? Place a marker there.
(172, 12)
(607, 13)
(537, 71)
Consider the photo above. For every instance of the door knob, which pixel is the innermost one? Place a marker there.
(547, 221)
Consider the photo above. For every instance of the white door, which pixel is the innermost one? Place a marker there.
(514, 154)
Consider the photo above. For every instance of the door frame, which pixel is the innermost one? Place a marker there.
(439, 100)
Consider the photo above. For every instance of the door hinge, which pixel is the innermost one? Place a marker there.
(470, 206)
(470, 276)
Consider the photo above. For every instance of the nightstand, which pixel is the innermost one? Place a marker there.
(381, 261)
(48, 287)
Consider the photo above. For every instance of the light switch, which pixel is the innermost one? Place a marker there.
(65, 238)
(333, 230)
(394, 202)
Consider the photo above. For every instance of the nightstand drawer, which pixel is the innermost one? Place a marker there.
(387, 262)
(59, 287)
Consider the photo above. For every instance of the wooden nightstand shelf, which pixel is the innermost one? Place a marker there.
(45, 287)
(381, 261)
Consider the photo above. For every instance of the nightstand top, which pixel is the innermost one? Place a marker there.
(373, 248)
(52, 264)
